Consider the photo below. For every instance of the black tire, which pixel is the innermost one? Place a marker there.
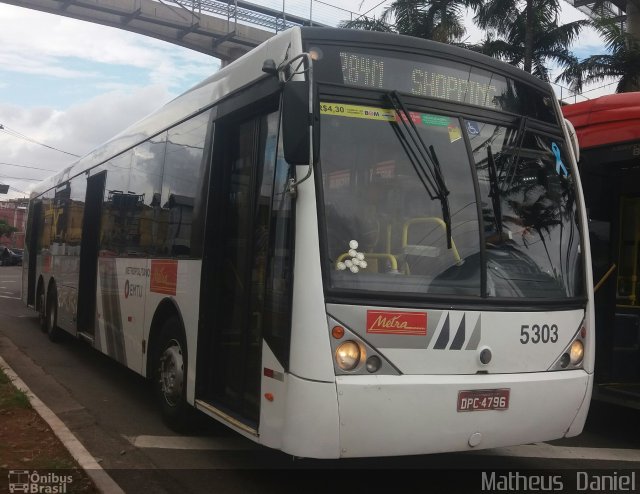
(54, 332)
(170, 376)
(42, 309)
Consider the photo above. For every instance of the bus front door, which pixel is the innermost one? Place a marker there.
(232, 295)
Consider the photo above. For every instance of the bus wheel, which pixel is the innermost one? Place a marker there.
(42, 310)
(170, 364)
(51, 317)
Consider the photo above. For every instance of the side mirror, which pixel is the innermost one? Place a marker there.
(297, 123)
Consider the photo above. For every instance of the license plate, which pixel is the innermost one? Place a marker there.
(483, 399)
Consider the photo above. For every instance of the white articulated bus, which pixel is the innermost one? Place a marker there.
(344, 244)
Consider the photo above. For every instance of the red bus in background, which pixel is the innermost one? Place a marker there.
(608, 131)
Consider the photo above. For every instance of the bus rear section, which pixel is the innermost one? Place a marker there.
(608, 133)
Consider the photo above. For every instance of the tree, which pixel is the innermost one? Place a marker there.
(6, 230)
(622, 60)
(527, 34)
(439, 20)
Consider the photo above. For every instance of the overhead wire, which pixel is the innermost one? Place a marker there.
(28, 166)
(21, 178)
(19, 135)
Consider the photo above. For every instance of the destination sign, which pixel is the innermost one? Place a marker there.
(460, 84)
(428, 76)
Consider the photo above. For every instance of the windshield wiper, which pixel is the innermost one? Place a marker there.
(423, 159)
(511, 170)
(494, 191)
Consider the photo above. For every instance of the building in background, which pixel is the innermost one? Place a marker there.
(14, 212)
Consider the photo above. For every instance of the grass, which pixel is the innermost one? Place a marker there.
(10, 397)
(27, 442)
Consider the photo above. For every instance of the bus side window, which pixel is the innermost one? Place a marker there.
(184, 169)
(141, 222)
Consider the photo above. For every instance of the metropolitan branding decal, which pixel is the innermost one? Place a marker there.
(389, 322)
(164, 276)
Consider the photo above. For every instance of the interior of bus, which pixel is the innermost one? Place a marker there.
(413, 234)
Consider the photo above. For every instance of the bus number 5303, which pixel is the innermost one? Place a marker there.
(538, 334)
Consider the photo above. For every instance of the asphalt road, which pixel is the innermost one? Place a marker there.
(110, 409)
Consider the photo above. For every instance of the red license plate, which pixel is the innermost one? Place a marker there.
(483, 399)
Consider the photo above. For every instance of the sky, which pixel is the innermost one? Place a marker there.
(73, 85)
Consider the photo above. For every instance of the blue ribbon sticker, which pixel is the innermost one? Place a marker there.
(559, 164)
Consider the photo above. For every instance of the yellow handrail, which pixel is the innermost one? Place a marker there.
(432, 219)
(604, 278)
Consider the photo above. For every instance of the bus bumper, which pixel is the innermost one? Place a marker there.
(406, 415)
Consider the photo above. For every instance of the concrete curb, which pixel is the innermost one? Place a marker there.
(87, 462)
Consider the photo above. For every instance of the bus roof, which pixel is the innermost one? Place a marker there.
(248, 68)
(610, 119)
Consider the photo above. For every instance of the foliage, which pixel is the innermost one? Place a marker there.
(11, 397)
(439, 20)
(527, 38)
(6, 230)
(622, 60)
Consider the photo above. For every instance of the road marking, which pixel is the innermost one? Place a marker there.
(539, 450)
(5, 296)
(193, 443)
(543, 450)
(9, 281)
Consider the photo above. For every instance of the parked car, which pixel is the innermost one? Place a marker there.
(10, 257)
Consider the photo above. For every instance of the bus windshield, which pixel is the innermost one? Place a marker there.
(386, 232)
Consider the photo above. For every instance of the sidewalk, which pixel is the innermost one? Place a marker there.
(30, 453)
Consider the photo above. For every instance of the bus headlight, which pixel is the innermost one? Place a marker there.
(576, 352)
(348, 355)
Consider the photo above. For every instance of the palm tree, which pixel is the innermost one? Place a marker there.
(622, 60)
(439, 20)
(527, 36)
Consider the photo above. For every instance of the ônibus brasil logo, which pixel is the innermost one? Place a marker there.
(36, 483)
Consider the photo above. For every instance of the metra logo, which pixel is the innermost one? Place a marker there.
(407, 323)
